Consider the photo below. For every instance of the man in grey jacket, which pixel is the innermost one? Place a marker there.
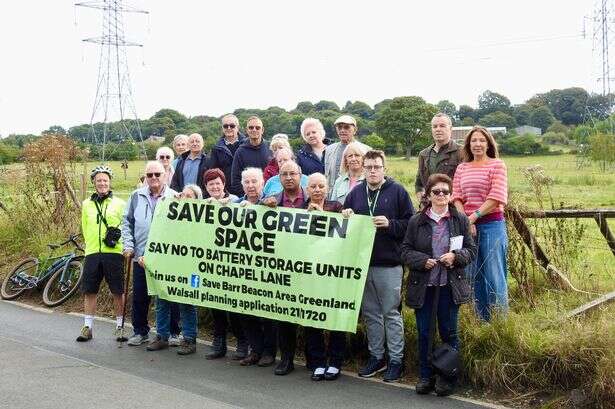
(346, 128)
(135, 228)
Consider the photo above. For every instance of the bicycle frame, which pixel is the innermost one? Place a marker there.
(61, 262)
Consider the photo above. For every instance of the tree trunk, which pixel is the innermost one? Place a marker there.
(408, 152)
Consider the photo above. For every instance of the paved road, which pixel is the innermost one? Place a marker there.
(41, 366)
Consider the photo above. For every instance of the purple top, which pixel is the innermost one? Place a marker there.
(440, 240)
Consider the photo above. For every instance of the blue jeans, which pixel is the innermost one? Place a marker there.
(447, 319)
(187, 315)
(489, 270)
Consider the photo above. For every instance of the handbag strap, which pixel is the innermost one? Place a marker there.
(432, 321)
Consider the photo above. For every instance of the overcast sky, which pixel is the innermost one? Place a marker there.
(211, 57)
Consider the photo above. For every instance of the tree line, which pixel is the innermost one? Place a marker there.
(399, 125)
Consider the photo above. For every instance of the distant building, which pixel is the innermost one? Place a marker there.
(460, 132)
(522, 130)
(154, 138)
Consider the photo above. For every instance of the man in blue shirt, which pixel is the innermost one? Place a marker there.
(191, 165)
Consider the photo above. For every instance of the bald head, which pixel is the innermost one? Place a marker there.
(290, 176)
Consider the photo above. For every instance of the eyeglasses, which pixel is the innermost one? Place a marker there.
(343, 126)
(438, 192)
(229, 126)
(288, 174)
(253, 127)
(373, 167)
(153, 174)
(164, 157)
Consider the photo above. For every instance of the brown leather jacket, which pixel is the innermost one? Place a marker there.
(450, 158)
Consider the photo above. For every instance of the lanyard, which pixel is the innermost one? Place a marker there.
(371, 205)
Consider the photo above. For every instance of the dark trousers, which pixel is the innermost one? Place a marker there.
(140, 304)
(447, 320)
(316, 354)
(221, 322)
(287, 339)
(261, 334)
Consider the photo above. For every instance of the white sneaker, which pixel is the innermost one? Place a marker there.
(175, 340)
(138, 339)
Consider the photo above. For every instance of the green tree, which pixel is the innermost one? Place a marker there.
(326, 106)
(602, 149)
(558, 127)
(304, 107)
(466, 111)
(467, 121)
(406, 120)
(374, 141)
(599, 106)
(8, 153)
(542, 118)
(522, 114)
(523, 145)
(448, 108)
(54, 130)
(498, 118)
(177, 118)
(568, 105)
(359, 109)
(490, 101)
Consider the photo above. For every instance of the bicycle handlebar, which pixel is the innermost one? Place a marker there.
(72, 239)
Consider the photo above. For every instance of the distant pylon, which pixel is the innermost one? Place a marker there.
(113, 100)
(602, 20)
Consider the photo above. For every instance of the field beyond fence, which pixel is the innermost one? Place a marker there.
(534, 357)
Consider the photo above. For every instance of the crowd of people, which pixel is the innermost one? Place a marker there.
(454, 245)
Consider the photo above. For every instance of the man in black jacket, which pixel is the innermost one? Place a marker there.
(390, 207)
(191, 165)
(252, 154)
(224, 150)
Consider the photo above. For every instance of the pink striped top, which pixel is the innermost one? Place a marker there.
(474, 183)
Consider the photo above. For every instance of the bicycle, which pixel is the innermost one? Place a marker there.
(61, 278)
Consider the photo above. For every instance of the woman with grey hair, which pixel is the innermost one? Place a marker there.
(311, 156)
(191, 192)
(165, 156)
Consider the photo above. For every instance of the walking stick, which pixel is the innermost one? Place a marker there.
(127, 268)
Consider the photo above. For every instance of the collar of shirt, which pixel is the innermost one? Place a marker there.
(435, 216)
(297, 203)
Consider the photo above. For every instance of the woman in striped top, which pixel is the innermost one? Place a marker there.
(480, 190)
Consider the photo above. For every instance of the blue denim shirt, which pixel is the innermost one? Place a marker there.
(191, 170)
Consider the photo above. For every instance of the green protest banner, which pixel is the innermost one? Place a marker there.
(285, 264)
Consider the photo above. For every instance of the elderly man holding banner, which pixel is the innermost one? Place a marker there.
(294, 196)
(389, 205)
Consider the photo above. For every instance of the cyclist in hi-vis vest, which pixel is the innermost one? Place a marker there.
(101, 216)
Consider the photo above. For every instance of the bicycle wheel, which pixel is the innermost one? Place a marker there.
(57, 290)
(21, 278)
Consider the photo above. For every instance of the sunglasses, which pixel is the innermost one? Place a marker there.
(438, 192)
(343, 126)
(253, 127)
(164, 157)
(153, 174)
(229, 126)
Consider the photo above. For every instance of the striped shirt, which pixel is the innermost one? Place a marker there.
(474, 183)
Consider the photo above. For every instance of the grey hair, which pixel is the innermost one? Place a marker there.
(163, 150)
(178, 137)
(445, 116)
(255, 171)
(318, 175)
(279, 139)
(292, 162)
(196, 134)
(154, 163)
(315, 122)
(195, 189)
(285, 149)
(231, 116)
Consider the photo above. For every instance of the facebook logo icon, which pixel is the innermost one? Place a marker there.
(195, 280)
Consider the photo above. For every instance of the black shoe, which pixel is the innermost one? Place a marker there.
(444, 386)
(266, 360)
(425, 385)
(331, 375)
(285, 367)
(218, 348)
(393, 372)
(373, 366)
(318, 376)
(242, 350)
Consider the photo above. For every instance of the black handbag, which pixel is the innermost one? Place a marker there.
(444, 359)
(113, 234)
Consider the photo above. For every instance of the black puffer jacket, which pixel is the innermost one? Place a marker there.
(416, 249)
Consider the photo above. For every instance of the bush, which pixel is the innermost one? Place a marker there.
(523, 145)
(8, 153)
(374, 141)
(555, 138)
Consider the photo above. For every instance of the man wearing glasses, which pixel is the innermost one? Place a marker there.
(191, 165)
(346, 128)
(223, 152)
(251, 154)
(389, 205)
(135, 228)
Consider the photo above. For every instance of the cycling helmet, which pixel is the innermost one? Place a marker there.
(101, 169)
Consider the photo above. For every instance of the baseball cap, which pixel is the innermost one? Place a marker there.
(345, 119)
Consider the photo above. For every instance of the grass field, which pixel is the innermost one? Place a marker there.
(533, 356)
